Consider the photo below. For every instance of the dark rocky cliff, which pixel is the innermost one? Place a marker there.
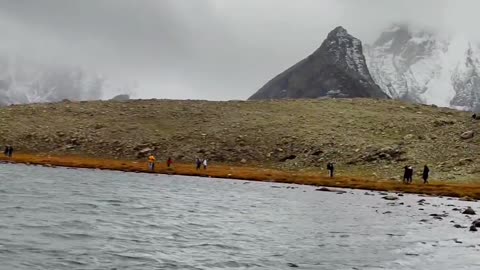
(337, 69)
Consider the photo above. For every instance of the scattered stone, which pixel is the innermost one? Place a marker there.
(144, 152)
(388, 212)
(292, 265)
(467, 135)
(458, 226)
(473, 228)
(443, 122)
(439, 215)
(390, 198)
(476, 223)
(243, 161)
(331, 190)
(290, 157)
(469, 211)
(467, 199)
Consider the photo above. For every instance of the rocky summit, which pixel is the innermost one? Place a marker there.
(337, 69)
(364, 137)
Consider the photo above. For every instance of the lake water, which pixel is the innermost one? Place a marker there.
(88, 219)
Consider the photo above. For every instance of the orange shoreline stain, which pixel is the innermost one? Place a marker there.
(252, 174)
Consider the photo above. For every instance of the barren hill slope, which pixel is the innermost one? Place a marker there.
(364, 137)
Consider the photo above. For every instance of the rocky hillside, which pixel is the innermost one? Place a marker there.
(336, 69)
(364, 137)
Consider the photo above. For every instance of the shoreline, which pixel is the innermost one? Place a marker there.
(461, 190)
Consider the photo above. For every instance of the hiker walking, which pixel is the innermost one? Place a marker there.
(205, 163)
(169, 162)
(151, 162)
(10, 151)
(426, 171)
(405, 174)
(199, 163)
(331, 169)
(409, 174)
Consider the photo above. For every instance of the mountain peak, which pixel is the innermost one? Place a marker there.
(336, 69)
(339, 31)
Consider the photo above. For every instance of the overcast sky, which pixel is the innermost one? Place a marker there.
(206, 49)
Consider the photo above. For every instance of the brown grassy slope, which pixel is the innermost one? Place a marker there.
(365, 137)
(256, 174)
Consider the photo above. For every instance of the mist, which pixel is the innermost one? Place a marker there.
(205, 49)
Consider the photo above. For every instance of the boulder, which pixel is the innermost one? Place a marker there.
(469, 211)
(467, 199)
(473, 228)
(122, 97)
(467, 135)
(476, 223)
(144, 152)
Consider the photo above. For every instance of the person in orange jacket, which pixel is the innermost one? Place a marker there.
(151, 162)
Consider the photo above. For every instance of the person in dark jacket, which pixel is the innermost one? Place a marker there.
(425, 175)
(410, 174)
(331, 169)
(405, 174)
(199, 163)
(10, 151)
(169, 162)
(6, 151)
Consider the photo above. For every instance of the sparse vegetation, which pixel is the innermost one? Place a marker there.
(370, 139)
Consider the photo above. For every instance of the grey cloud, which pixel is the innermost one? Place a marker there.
(209, 49)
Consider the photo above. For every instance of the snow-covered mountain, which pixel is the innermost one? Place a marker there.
(426, 67)
(25, 81)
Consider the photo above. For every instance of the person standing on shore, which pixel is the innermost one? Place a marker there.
(425, 175)
(6, 150)
(169, 162)
(205, 163)
(331, 169)
(199, 163)
(405, 174)
(410, 174)
(10, 151)
(151, 162)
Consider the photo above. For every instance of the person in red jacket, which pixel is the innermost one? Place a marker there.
(169, 162)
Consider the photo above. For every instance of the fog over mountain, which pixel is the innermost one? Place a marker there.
(205, 49)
